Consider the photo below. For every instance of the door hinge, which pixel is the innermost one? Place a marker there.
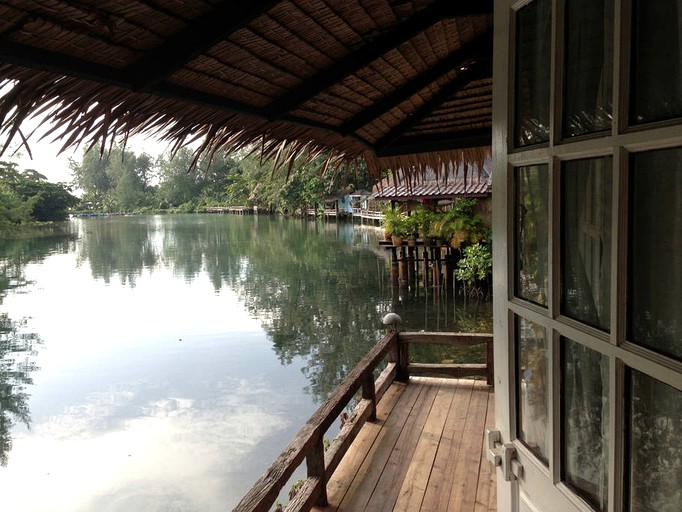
(503, 455)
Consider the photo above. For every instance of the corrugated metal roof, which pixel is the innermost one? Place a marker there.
(444, 186)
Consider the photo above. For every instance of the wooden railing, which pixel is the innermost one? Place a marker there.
(309, 442)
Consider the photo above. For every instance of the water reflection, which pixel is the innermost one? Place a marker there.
(182, 353)
(17, 347)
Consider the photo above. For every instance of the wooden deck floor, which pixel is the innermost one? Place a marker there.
(424, 452)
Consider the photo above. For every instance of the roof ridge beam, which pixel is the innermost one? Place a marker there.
(402, 32)
(197, 37)
(476, 71)
(476, 49)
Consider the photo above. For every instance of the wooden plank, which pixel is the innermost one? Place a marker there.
(463, 492)
(360, 491)
(437, 492)
(424, 453)
(346, 471)
(449, 370)
(385, 380)
(385, 494)
(445, 338)
(343, 440)
(307, 495)
(417, 477)
(486, 493)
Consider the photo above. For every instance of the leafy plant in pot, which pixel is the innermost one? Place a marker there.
(394, 222)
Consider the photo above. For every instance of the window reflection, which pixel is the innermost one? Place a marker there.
(532, 387)
(588, 73)
(656, 61)
(655, 469)
(655, 285)
(531, 222)
(533, 44)
(585, 422)
(586, 241)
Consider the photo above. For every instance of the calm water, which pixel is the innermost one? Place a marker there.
(161, 363)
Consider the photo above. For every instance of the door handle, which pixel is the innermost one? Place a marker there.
(503, 455)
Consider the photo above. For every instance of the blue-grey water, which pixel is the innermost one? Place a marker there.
(161, 363)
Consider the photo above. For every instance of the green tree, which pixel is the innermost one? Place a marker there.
(26, 195)
(180, 183)
(91, 177)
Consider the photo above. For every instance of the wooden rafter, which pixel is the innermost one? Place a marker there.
(197, 37)
(437, 11)
(475, 71)
(479, 48)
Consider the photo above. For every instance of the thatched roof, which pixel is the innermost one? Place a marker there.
(400, 83)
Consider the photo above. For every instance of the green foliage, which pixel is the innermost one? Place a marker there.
(474, 268)
(460, 225)
(26, 196)
(394, 220)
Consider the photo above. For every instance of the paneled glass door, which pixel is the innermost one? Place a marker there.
(587, 224)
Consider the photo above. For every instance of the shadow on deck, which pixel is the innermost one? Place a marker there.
(425, 452)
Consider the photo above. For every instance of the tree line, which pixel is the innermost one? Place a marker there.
(122, 181)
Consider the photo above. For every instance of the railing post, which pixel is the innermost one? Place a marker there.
(369, 393)
(316, 469)
(400, 354)
(403, 360)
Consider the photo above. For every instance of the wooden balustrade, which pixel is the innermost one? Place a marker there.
(308, 444)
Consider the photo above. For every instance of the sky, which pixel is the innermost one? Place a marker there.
(47, 160)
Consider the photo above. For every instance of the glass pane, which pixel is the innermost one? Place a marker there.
(588, 73)
(533, 44)
(585, 422)
(655, 286)
(656, 61)
(586, 241)
(655, 469)
(532, 386)
(531, 215)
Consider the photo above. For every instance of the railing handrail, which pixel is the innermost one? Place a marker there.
(309, 443)
(265, 491)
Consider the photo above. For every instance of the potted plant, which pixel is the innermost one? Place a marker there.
(411, 227)
(394, 222)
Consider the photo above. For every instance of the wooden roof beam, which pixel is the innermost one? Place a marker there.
(59, 64)
(196, 38)
(477, 49)
(437, 11)
(476, 71)
(431, 143)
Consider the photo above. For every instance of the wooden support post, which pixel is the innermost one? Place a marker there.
(410, 265)
(425, 268)
(403, 361)
(403, 267)
(316, 469)
(435, 268)
(369, 392)
(395, 273)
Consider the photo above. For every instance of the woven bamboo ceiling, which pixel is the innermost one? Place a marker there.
(398, 83)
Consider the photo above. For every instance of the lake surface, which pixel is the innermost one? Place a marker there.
(161, 363)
